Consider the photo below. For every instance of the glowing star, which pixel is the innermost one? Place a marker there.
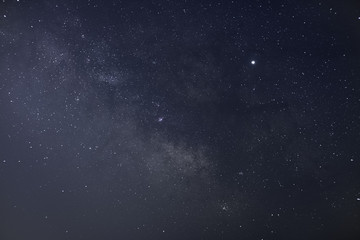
(160, 119)
(224, 207)
(253, 62)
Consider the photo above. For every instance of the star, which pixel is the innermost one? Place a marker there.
(253, 62)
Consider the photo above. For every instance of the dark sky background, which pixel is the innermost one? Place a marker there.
(179, 119)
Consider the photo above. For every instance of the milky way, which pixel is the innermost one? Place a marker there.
(179, 120)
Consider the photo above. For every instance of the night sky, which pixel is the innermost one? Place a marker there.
(180, 119)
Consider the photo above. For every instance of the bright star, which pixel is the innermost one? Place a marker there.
(253, 62)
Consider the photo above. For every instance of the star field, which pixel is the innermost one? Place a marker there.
(179, 119)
